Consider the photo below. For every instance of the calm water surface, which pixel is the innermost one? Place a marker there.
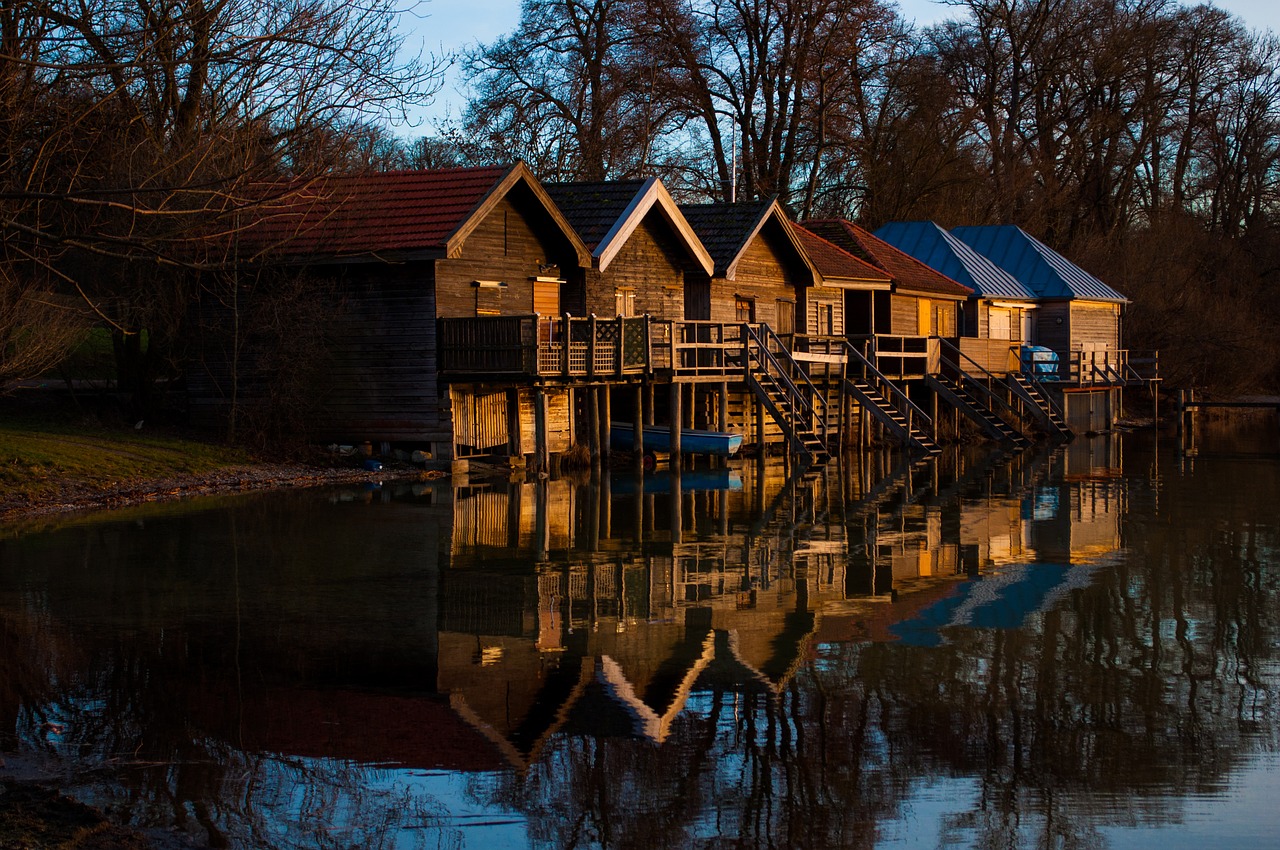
(1075, 648)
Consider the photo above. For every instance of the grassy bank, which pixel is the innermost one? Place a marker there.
(42, 460)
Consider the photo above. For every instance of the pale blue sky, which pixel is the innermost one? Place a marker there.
(450, 25)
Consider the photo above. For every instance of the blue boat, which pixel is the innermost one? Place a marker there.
(658, 438)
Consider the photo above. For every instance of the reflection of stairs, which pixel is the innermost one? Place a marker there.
(875, 401)
(1039, 403)
(767, 374)
(955, 393)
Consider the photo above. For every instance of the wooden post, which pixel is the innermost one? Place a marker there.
(593, 510)
(593, 423)
(677, 421)
(565, 344)
(591, 345)
(760, 432)
(515, 446)
(723, 413)
(677, 503)
(649, 391)
(541, 528)
(606, 424)
(541, 443)
(637, 434)
(691, 407)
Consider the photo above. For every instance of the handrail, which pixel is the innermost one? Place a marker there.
(884, 383)
(963, 374)
(814, 393)
(749, 335)
(957, 350)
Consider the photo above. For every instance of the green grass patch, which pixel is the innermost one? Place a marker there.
(40, 460)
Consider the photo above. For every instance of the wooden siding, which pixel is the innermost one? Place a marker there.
(903, 316)
(652, 264)
(559, 421)
(997, 356)
(767, 272)
(376, 379)
(382, 351)
(508, 246)
(479, 419)
(1095, 325)
(817, 298)
(1053, 328)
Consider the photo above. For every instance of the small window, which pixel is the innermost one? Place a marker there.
(489, 298)
(745, 309)
(624, 302)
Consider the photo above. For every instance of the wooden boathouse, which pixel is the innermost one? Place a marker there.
(399, 251)
(1079, 319)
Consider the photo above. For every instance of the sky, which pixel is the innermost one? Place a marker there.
(446, 26)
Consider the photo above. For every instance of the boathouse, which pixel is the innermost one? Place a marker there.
(1078, 319)
(402, 254)
(894, 324)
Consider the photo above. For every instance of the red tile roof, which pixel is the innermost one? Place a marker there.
(370, 213)
(907, 272)
(834, 262)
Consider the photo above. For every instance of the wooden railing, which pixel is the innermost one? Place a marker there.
(544, 346)
(998, 357)
(900, 357)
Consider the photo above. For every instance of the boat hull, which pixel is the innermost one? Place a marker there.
(658, 438)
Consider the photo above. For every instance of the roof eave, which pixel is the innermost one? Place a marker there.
(651, 193)
(516, 174)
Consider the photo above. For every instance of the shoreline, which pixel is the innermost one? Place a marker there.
(75, 498)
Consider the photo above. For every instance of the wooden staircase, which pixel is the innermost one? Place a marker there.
(888, 403)
(777, 380)
(955, 391)
(1040, 404)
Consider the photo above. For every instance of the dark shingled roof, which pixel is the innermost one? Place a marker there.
(836, 263)
(725, 228)
(594, 208)
(370, 213)
(907, 272)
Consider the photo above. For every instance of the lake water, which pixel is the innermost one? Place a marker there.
(1067, 648)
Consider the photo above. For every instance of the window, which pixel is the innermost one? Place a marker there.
(826, 319)
(745, 309)
(489, 297)
(624, 302)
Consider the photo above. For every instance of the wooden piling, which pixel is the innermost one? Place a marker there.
(541, 440)
(606, 424)
(677, 421)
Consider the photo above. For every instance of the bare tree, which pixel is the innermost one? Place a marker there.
(157, 119)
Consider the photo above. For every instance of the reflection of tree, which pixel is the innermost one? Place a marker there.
(1156, 679)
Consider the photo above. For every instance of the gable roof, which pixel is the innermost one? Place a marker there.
(389, 214)
(606, 214)
(934, 246)
(1040, 268)
(728, 229)
(839, 267)
(908, 273)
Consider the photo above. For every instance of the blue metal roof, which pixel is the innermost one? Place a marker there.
(1040, 268)
(938, 249)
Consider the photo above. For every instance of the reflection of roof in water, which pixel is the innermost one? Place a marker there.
(999, 600)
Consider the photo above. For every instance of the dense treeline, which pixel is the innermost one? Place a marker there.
(1141, 137)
